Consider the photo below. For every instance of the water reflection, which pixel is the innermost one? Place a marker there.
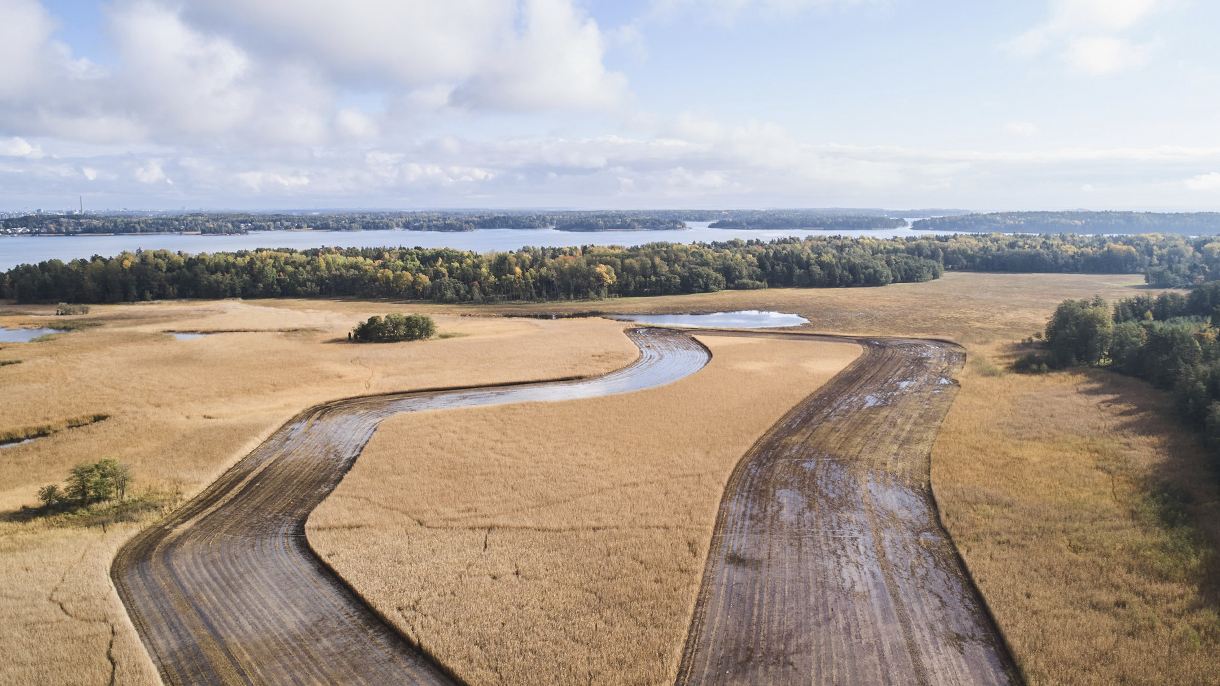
(741, 319)
(23, 335)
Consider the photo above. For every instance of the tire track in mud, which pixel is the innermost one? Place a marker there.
(828, 562)
(227, 590)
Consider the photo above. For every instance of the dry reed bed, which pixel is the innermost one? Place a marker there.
(226, 590)
(182, 412)
(1046, 484)
(973, 308)
(559, 543)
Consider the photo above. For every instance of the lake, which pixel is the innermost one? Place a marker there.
(33, 249)
(741, 319)
(24, 335)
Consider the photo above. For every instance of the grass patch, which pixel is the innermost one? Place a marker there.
(5, 363)
(44, 430)
(983, 366)
(451, 334)
(1087, 520)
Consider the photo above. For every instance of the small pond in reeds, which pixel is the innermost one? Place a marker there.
(742, 319)
(23, 335)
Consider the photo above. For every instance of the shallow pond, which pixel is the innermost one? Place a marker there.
(742, 319)
(23, 335)
(186, 335)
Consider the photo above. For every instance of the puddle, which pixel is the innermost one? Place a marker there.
(9, 444)
(186, 335)
(742, 319)
(24, 335)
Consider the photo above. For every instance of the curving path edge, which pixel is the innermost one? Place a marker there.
(226, 590)
(828, 563)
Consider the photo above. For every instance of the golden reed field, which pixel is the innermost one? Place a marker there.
(181, 413)
(1049, 485)
(560, 542)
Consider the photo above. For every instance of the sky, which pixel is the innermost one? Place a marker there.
(603, 104)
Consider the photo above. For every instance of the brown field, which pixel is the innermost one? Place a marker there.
(559, 543)
(966, 306)
(227, 590)
(1048, 484)
(182, 412)
(1010, 483)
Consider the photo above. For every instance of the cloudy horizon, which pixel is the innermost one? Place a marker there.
(313, 105)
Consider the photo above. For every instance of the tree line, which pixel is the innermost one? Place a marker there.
(1190, 223)
(593, 272)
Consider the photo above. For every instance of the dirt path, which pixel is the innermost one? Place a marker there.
(828, 564)
(228, 591)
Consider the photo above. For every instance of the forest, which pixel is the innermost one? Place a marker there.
(1188, 223)
(595, 272)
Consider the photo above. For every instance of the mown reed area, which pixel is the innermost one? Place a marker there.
(560, 543)
(179, 413)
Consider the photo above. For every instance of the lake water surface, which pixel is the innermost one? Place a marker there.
(17, 250)
(741, 319)
(23, 335)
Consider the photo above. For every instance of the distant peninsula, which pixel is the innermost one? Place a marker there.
(1076, 221)
(223, 223)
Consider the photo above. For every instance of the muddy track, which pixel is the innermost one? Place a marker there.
(228, 591)
(828, 563)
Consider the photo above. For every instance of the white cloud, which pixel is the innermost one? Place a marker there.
(25, 32)
(151, 172)
(1086, 35)
(354, 124)
(1024, 129)
(411, 44)
(556, 62)
(1104, 55)
(1204, 182)
(1106, 15)
(19, 147)
(729, 11)
(257, 180)
(492, 54)
(259, 72)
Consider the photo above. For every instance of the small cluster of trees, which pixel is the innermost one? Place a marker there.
(1171, 341)
(70, 308)
(394, 327)
(89, 483)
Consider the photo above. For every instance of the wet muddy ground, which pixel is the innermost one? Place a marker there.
(828, 564)
(228, 591)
